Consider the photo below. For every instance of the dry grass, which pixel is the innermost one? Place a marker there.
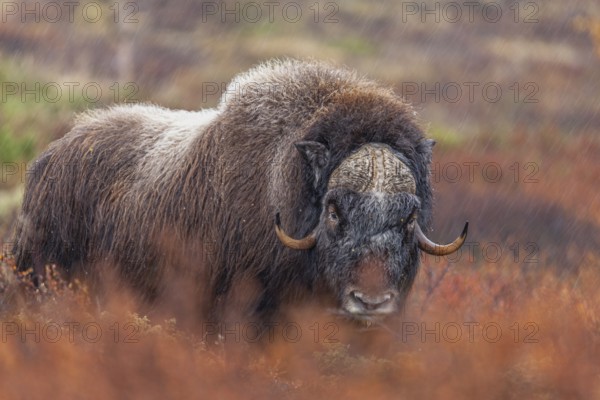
(488, 332)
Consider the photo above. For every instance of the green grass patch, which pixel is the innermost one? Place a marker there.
(28, 121)
(15, 148)
(355, 45)
(444, 137)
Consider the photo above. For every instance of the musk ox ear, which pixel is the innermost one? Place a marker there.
(316, 155)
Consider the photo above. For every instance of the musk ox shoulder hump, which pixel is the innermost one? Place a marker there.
(294, 86)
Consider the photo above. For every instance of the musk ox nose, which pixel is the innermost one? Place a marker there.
(361, 303)
(372, 292)
(371, 303)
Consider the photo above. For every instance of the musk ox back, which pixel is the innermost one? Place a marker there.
(336, 161)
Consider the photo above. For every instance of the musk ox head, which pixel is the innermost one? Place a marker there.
(368, 237)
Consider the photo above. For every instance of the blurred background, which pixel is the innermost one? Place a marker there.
(509, 89)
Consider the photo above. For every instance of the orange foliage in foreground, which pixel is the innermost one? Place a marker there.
(486, 332)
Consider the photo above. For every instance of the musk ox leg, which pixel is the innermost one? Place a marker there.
(215, 301)
(28, 257)
(38, 274)
(267, 301)
(267, 307)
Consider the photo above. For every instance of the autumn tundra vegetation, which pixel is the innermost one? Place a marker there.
(513, 313)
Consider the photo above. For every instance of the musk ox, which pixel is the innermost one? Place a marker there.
(335, 160)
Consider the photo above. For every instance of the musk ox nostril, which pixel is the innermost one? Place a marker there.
(371, 302)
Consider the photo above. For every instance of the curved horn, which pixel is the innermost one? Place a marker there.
(297, 244)
(437, 249)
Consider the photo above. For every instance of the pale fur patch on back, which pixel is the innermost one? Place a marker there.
(177, 131)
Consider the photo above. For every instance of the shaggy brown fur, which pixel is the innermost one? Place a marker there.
(150, 190)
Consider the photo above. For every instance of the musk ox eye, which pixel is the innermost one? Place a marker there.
(412, 221)
(332, 215)
(409, 222)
